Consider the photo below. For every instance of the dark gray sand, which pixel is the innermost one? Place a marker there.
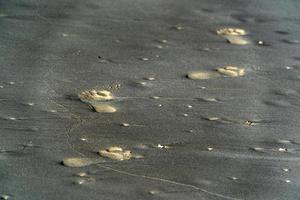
(225, 137)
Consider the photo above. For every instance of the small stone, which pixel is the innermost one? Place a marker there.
(144, 59)
(287, 181)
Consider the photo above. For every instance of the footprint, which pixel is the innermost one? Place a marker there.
(231, 31)
(77, 162)
(237, 40)
(116, 153)
(231, 71)
(103, 108)
(201, 75)
(96, 98)
(94, 95)
(234, 35)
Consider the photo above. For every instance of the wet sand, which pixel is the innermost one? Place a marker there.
(229, 136)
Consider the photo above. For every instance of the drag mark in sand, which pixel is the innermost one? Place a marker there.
(168, 181)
